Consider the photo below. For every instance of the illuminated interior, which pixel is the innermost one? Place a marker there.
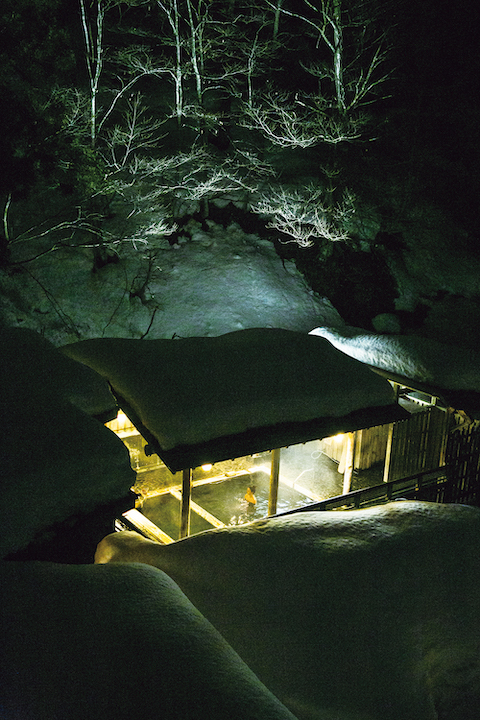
(247, 488)
(238, 491)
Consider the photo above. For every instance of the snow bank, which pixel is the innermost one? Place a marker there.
(55, 459)
(115, 643)
(197, 389)
(27, 358)
(354, 615)
(414, 358)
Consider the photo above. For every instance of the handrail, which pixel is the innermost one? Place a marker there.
(378, 493)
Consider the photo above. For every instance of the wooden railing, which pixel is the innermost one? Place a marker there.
(428, 485)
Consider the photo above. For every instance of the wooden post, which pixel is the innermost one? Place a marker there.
(274, 475)
(388, 453)
(391, 427)
(349, 462)
(185, 507)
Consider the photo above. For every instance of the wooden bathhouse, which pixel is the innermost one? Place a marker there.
(273, 415)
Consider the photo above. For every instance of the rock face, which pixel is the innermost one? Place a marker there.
(366, 614)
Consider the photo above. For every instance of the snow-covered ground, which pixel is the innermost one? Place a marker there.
(211, 282)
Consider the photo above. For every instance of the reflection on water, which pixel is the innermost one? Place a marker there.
(224, 500)
(164, 511)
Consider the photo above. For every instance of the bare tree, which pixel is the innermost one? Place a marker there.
(134, 62)
(356, 69)
(171, 12)
(304, 216)
(197, 14)
(291, 123)
(276, 22)
(187, 22)
(138, 131)
(194, 178)
(349, 71)
(93, 37)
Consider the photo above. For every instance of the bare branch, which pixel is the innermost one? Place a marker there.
(138, 133)
(301, 124)
(305, 216)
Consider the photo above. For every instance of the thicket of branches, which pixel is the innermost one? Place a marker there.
(176, 102)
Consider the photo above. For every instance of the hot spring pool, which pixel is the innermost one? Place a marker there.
(224, 500)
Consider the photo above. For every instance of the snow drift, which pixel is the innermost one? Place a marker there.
(88, 642)
(55, 459)
(28, 359)
(354, 615)
(413, 358)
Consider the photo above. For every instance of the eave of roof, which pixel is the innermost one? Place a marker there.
(261, 439)
(466, 400)
(204, 400)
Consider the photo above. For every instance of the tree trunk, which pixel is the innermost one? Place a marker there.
(338, 55)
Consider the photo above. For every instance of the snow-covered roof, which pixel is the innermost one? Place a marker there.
(447, 371)
(211, 398)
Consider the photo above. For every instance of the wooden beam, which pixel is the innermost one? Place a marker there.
(185, 507)
(200, 511)
(145, 526)
(274, 476)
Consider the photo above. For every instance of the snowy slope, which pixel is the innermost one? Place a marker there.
(213, 281)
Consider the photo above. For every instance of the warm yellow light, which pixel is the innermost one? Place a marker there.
(339, 438)
(122, 418)
(207, 467)
(122, 426)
